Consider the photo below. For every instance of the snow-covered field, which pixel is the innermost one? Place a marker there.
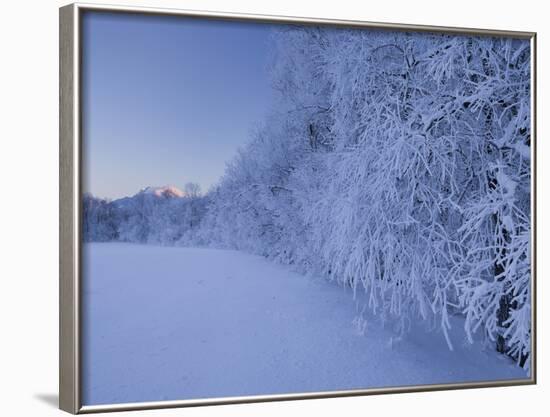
(165, 323)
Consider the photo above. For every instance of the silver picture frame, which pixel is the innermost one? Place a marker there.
(70, 193)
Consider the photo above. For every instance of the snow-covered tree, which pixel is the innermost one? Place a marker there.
(397, 164)
(98, 220)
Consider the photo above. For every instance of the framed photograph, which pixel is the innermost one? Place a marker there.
(260, 208)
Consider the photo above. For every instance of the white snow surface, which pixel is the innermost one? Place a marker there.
(167, 323)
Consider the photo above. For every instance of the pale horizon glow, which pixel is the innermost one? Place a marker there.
(168, 100)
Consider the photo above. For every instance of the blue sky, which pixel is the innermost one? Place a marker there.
(167, 100)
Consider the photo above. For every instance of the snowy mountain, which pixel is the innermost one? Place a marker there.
(167, 191)
(149, 193)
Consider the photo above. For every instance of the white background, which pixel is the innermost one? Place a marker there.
(29, 209)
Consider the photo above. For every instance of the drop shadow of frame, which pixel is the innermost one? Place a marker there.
(49, 399)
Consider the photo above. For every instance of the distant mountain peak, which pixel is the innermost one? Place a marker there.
(167, 191)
